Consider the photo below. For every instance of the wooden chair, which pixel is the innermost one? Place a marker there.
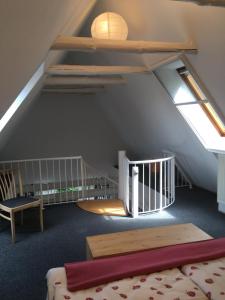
(13, 201)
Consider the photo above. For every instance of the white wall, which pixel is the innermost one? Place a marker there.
(65, 125)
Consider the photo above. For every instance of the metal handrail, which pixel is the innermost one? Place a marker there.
(136, 162)
(40, 159)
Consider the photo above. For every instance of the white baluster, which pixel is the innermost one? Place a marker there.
(135, 183)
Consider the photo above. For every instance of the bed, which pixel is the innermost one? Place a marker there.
(180, 272)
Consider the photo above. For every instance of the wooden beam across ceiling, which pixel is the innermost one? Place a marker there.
(90, 44)
(206, 2)
(65, 70)
(73, 90)
(83, 81)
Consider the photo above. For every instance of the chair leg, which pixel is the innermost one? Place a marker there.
(41, 218)
(21, 217)
(13, 231)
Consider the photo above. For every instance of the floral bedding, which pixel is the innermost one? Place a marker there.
(165, 285)
(179, 272)
(209, 276)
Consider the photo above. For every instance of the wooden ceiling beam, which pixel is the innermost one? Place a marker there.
(89, 44)
(206, 2)
(72, 90)
(83, 81)
(65, 70)
(74, 87)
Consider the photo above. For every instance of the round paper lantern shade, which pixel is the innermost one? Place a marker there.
(109, 26)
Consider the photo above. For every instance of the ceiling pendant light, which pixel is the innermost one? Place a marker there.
(109, 26)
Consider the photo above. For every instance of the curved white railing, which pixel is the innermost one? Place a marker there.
(145, 186)
(152, 184)
(181, 178)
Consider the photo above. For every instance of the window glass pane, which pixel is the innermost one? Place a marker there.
(200, 123)
(183, 95)
(174, 84)
(183, 88)
(197, 92)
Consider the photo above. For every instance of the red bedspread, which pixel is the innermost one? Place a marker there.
(83, 275)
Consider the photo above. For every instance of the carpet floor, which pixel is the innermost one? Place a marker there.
(23, 266)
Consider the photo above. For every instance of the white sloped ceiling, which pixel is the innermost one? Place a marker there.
(28, 29)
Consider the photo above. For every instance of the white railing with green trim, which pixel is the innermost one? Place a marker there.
(61, 180)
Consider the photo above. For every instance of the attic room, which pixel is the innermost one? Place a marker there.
(112, 143)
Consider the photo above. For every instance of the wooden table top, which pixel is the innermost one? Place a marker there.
(142, 239)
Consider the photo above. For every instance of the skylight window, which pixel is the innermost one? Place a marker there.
(21, 97)
(194, 104)
(198, 94)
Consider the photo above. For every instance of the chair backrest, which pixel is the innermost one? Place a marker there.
(10, 184)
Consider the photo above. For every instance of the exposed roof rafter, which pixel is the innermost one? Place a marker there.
(94, 70)
(73, 90)
(90, 44)
(83, 81)
(206, 2)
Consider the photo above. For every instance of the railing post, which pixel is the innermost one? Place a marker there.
(221, 183)
(160, 184)
(82, 175)
(178, 172)
(173, 178)
(135, 195)
(123, 188)
(40, 174)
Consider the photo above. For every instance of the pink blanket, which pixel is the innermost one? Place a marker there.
(83, 275)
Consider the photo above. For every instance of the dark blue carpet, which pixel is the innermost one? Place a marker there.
(23, 266)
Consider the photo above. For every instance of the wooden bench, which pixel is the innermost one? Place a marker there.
(112, 244)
